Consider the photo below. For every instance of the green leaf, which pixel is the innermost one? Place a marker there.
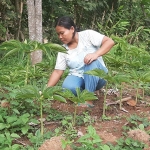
(59, 98)
(11, 119)
(97, 72)
(105, 147)
(1, 119)
(16, 111)
(24, 129)
(2, 126)
(141, 126)
(50, 91)
(2, 138)
(54, 47)
(128, 141)
(67, 94)
(14, 135)
(28, 91)
(11, 52)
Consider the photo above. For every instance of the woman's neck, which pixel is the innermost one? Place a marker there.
(74, 42)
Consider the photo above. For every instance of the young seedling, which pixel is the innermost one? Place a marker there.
(119, 79)
(101, 74)
(33, 92)
(139, 78)
(28, 46)
(80, 97)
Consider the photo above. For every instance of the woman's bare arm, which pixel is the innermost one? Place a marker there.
(107, 44)
(55, 77)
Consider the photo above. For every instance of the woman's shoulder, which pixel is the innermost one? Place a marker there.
(88, 32)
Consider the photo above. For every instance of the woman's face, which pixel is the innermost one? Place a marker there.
(64, 34)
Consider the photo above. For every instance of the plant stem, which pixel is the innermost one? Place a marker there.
(104, 104)
(120, 105)
(74, 116)
(27, 70)
(137, 92)
(143, 93)
(41, 113)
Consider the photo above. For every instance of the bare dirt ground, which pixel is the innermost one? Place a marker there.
(110, 130)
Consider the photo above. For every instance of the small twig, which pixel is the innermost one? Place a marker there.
(54, 122)
(117, 102)
(20, 142)
(144, 102)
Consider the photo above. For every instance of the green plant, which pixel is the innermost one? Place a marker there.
(91, 141)
(68, 128)
(115, 79)
(28, 46)
(40, 94)
(139, 78)
(128, 144)
(80, 97)
(6, 140)
(135, 121)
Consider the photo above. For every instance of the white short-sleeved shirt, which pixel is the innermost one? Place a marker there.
(89, 42)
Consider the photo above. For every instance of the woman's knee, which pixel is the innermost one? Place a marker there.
(68, 86)
(72, 83)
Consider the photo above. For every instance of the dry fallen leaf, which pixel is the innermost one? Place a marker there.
(5, 104)
(131, 102)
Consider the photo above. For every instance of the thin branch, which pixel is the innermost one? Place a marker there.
(117, 102)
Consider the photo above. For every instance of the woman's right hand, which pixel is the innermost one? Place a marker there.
(90, 57)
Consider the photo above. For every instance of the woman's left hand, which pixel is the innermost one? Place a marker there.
(90, 57)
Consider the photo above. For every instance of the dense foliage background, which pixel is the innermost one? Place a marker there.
(128, 18)
(24, 96)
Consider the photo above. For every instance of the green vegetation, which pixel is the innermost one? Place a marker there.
(25, 99)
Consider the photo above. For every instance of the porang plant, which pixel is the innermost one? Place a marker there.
(108, 78)
(114, 79)
(78, 99)
(13, 46)
(40, 95)
(139, 79)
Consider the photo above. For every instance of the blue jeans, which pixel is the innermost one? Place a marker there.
(90, 83)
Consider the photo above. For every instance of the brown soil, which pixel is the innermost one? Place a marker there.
(55, 143)
(110, 130)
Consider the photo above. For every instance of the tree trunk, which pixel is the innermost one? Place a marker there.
(19, 9)
(35, 27)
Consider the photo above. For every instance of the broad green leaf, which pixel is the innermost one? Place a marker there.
(24, 129)
(50, 91)
(67, 94)
(1, 119)
(28, 91)
(2, 138)
(97, 72)
(141, 126)
(59, 98)
(2, 126)
(86, 95)
(55, 47)
(11, 52)
(11, 119)
(16, 147)
(14, 135)
(105, 147)
(16, 111)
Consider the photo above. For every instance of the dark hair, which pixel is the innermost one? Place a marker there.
(67, 23)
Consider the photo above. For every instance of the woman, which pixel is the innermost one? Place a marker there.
(84, 52)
